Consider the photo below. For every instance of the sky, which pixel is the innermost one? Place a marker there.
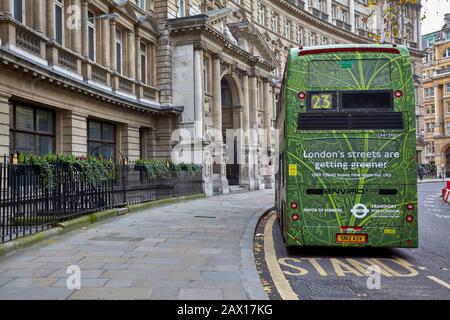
(434, 11)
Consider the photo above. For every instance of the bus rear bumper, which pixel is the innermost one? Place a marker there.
(393, 237)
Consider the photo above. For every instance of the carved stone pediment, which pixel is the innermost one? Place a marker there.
(245, 32)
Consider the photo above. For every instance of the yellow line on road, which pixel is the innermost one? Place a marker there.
(283, 286)
(441, 282)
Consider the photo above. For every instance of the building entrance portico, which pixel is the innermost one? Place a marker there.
(231, 109)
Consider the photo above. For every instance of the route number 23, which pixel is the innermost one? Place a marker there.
(321, 102)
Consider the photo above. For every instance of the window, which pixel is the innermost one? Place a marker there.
(428, 110)
(181, 8)
(274, 24)
(118, 51)
(91, 36)
(140, 4)
(287, 29)
(447, 88)
(344, 15)
(430, 42)
(101, 139)
(32, 130)
(143, 63)
(446, 53)
(357, 22)
(448, 107)
(312, 39)
(299, 35)
(18, 10)
(430, 127)
(59, 21)
(433, 109)
(429, 92)
(262, 14)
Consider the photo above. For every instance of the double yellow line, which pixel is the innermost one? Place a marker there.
(281, 283)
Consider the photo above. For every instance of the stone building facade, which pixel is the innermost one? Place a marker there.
(194, 79)
(90, 87)
(436, 92)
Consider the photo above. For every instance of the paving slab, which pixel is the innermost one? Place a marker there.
(170, 252)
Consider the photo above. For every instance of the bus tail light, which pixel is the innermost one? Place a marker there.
(294, 205)
(295, 217)
(410, 206)
(398, 93)
(409, 218)
(301, 95)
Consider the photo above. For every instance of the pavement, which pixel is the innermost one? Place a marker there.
(433, 180)
(200, 249)
(341, 273)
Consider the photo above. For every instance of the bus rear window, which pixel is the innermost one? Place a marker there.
(369, 73)
(367, 100)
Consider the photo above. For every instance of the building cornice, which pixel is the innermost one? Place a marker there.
(32, 70)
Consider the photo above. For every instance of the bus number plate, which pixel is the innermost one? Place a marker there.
(351, 238)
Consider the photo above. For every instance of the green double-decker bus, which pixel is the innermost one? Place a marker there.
(346, 171)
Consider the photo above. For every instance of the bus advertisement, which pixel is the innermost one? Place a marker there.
(346, 169)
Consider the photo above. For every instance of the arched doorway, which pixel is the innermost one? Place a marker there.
(231, 120)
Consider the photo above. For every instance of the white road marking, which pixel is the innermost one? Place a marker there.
(441, 282)
(440, 216)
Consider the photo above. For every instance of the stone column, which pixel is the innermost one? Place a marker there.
(51, 19)
(152, 64)
(217, 94)
(7, 7)
(268, 150)
(106, 55)
(4, 124)
(253, 152)
(131, 55)
(84, 29)
(74, 133)
(76, 32)
(419, 31)
(137, 58)
(267, 110)
(246, 110)
(130, 142)
(37, 15)
(351, 5)
(330, 10)
(245, 178)
(198, 92)
(253, 119)
(112, 45)
(438, 114)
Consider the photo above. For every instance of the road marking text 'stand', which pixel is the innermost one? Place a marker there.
(283, 286)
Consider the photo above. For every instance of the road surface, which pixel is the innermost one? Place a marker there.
(339, 273)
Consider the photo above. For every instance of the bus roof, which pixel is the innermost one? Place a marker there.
(338, 48)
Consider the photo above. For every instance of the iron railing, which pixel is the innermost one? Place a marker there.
(30, 204)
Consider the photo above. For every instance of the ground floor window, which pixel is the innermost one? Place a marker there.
(101, 139)
(32, 130)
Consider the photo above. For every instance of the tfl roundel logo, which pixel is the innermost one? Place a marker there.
(359, 210)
